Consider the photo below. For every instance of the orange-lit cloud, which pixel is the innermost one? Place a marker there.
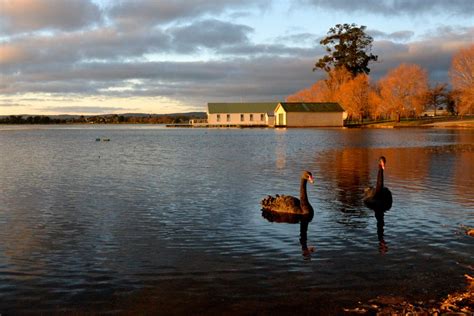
(30, 15)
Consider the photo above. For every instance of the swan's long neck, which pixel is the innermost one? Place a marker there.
(303, 194)
(379, 185)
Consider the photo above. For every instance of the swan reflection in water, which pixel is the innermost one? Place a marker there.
(290, 209)
(303, 220)
(379, 216)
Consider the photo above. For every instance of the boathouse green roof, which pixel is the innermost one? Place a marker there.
(311, 107)
(256, 107)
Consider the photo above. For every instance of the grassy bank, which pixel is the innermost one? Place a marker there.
(441, 122)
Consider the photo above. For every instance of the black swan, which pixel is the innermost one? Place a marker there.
(286, 204)
(379, 198)
(289, 209)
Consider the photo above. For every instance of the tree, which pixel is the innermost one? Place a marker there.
(337, 78)
(403, 90)
(451, 100)
(325, 90)
(315, 93)
(354, 96)
(437, 96)
(377, 109)
(462, 79)
(340, 86)
(348, 46)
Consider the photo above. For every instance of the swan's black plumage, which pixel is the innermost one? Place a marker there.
(286, 204)
(380, 197)
(289, 209)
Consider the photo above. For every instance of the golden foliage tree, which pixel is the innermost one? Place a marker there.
(403, 90)
(462, 79)
(376, 107)
(340, 86)
(325, 90)
(353, 95)
(318, 92)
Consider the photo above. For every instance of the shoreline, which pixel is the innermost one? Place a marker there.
(192, 297)
(465, 123)
(453, 124)
(456, 303)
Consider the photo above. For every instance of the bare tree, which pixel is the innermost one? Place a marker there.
(462, 79)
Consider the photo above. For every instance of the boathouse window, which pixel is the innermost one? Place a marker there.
(262, 117)
(241, 117)
(251, 117)
(218, 117)
(228, 117)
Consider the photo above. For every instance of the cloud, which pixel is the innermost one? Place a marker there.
(29, 52)
(397, 7)
(209, 34)
(248, 70)
(32, 15)
(271, 50)
(84, 109)
(433, 53)
(6, 104)
(396, 36)
(141, 13)
(194, 82)
(261, 78)
(301, 39)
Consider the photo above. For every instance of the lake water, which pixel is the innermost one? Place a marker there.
(169, 220)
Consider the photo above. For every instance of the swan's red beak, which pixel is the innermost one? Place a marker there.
(311, 180)
(382, 164)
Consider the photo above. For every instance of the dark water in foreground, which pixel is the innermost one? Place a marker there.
(169, 220)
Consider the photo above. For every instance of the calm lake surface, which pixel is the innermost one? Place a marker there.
(169, 220)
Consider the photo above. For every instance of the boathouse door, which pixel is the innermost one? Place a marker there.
(280, 119)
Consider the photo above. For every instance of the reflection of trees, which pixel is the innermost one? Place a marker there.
(347, 172)
(453, 163)
(357, 168)
(464, 176)
(464, 167)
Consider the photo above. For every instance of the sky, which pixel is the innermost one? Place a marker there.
(171, 56)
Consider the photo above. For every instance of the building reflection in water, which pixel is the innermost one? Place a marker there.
(280, 148)
(303, 220)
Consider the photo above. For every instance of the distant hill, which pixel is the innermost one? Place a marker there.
(131, 118)
(73, 117)
(190, 114)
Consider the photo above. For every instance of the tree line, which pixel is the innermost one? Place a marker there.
(403, 92)
(38, 119)
(99, 119)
